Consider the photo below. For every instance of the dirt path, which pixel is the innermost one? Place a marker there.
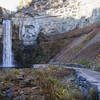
(92, 77)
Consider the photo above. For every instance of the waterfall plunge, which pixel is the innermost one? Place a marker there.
(7, 44)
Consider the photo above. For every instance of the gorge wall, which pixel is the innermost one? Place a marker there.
(56, 17)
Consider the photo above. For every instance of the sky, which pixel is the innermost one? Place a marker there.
(9, 4)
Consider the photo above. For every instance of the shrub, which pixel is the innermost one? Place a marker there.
(93, 93)
(15, 71)
(61, 93)
(97, 68)
(77, 95)
(84, 62)
(98, 65)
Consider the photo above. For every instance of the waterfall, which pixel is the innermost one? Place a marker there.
(7, 44)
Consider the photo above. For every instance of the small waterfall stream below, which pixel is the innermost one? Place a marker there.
(7, 44)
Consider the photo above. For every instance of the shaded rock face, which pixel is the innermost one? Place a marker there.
(29, 33)
(0, 12)
(26, 31)
(4, 14)
(1, 15)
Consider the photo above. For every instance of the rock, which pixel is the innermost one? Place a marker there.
(0, 15)
(26, 82)
(37, 97)
(40, 66)
(35, 88)
(81, 78)
(9, 93)
(20, 98)
(22, 92)
(29, 31)
(19, 77)
(54, 17)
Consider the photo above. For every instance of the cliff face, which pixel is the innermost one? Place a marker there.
(55, 17)
(1, 15)
(4, 14)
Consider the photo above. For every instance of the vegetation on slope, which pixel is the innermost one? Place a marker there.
(45, 50)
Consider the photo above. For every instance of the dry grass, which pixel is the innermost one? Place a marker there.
(35, 84)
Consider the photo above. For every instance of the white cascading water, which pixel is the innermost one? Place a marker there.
(7, 44)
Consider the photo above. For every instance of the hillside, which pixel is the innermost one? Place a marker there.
(84, 46)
